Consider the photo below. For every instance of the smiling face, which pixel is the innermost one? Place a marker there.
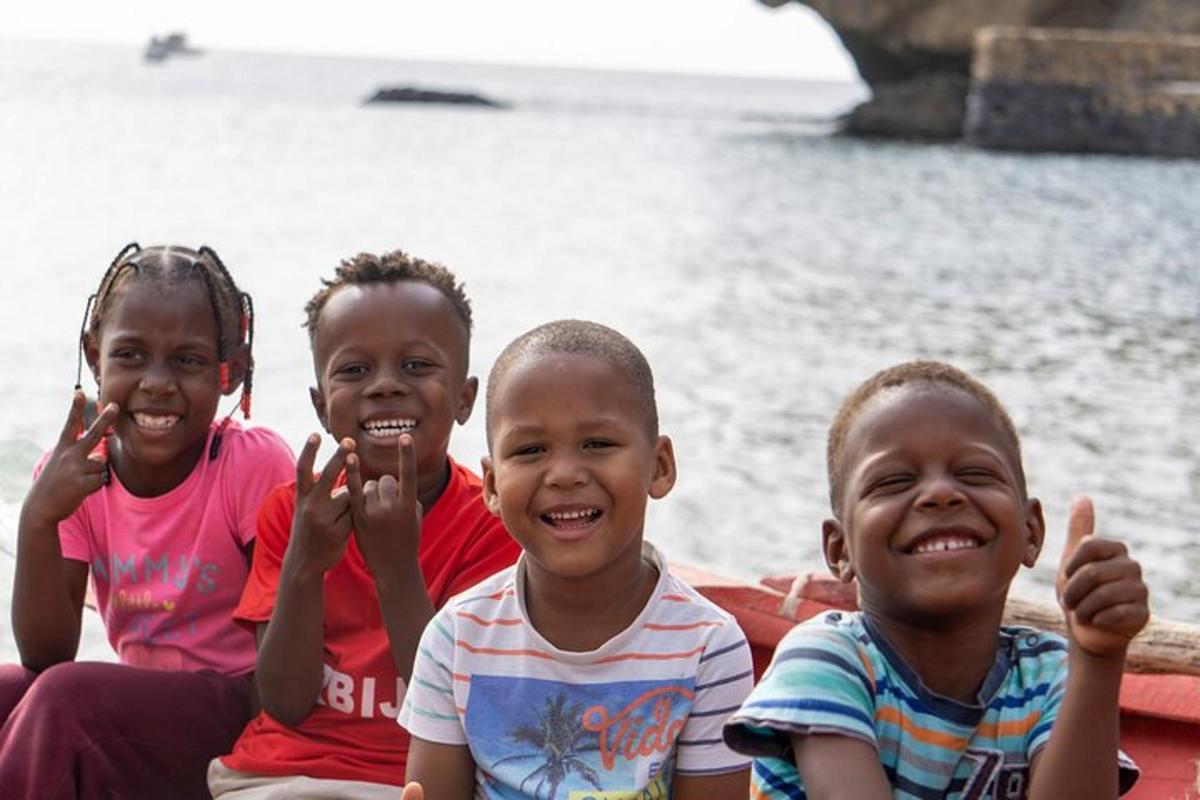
(391, 358)
(572, 464)
(935, 521)
(155, 356)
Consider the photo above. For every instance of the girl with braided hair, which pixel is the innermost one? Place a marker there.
(157, 499)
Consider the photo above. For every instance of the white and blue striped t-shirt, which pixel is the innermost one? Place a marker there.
(543, 722)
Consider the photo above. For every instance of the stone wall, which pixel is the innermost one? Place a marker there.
(1085, 91)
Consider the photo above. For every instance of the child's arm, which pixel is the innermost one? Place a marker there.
(290, 666)
(445, 771)
(47, 588)
(1101, 591)
(840, 767)
(387, 527)
(727, 786)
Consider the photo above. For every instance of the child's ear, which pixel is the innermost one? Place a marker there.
(466, 400)
(834, 544)
(664, 474)
(490, 498)
(239, 363)
(318, 402)
(1035, 531)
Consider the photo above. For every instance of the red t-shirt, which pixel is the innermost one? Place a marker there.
(351, 734)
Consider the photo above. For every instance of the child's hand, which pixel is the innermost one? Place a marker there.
(387, 514)
(321, 525)
(71, 473)
(412, 791)
(1100, 587)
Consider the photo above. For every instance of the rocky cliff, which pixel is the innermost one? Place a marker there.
(916, 54)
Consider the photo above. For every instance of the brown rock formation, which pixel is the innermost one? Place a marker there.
(919, 51)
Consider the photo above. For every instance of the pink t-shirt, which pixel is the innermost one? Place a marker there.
(169, 570)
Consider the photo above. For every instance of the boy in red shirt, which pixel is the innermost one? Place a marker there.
(350, 565)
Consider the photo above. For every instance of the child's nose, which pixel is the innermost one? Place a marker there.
(387, 381)
(940, 492)
(565, 471)
(157, 379)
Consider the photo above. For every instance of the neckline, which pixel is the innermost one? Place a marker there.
(651, 554)
(947, 708)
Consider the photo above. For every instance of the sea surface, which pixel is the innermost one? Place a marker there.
(764, 265)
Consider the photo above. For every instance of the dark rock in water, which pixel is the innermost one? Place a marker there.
(905, 49)
(1086, 91)
(929, 107)
(411, 94)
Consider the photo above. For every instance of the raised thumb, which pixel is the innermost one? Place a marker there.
(1080, 524)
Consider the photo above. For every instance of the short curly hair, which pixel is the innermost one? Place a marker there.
(577, 337)
(397, 265)
(930, 373)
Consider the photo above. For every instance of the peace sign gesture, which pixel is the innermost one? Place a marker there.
(386, 511)
(71, 472)
(321, 524)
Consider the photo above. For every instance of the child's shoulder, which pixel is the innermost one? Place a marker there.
(496, 590)
(255, 443)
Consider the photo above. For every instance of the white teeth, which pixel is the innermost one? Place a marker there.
(564, 516)
(157, 422)
(941, 544)
(386, 428)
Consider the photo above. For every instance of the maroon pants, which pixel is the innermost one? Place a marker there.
(93, 730)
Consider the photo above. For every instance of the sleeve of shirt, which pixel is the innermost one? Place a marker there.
(258, 462)
(429, 710)
(1039, 737)
(274, 528)
(489, 550)
(723, 680)
(819, 682)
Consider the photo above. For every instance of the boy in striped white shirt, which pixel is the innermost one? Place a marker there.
(587, 670)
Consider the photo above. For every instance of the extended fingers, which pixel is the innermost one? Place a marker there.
(354, 481)
(333, 467)
(74, 424)
(99, 426)
(304, 464)
(407, 474)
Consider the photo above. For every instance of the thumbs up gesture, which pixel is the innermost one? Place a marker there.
(1099, 587)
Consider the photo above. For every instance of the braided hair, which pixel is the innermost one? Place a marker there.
(233, 309)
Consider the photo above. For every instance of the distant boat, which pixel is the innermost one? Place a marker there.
(173, 44)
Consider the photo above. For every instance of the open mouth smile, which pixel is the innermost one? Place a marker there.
(572, 520)
(155, 422)
(944, 541)
(389, 428)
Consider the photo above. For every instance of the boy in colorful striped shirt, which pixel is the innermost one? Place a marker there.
(923, 694)
(587, 670)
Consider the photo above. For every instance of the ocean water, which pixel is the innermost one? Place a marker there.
(765, 266)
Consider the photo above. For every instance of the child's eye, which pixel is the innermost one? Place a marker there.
(416, 365)
(891, 483)
(598, 444)
(976, 475)
(192, 360)
(124, 354)
(527, 450)
(351, 370)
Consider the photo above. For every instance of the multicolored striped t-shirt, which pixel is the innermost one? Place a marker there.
(613, 722)
(837, 674)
